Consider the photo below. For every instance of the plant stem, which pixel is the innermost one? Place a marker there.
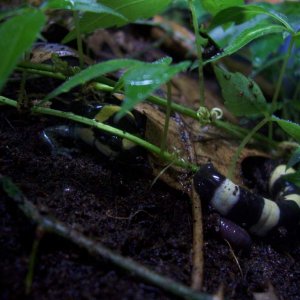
(297, 91)
(42, 73)
(22, 95)
(107, 85)
(112, 130)
(199, 52)
(243, 144)
(32, 260)
(78, 37)
(279, 83)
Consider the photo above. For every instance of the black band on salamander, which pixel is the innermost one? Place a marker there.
(258, 214)
(248, 209)
(207, 180)
(289, 213)
(281, 188)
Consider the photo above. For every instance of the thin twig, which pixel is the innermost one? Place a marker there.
(96, 249)
(167, 118)
(198, 260)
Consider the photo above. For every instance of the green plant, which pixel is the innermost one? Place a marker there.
(244, 24)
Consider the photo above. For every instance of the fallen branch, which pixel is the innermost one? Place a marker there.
(96, 249)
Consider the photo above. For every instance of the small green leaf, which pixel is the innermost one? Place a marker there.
(144, 79)
(295, 158)
(91, 73)
(214, 6)
(130, 9)
(293, 129)
(246, 36)
(293, 178)
(242, 95)
(240, 14)
(81, 5)
(17, 35)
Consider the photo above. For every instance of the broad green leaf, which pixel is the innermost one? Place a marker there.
(81, 5)
(240, 14)
(17, 35)
(144, 79)
(246, 36)
(214, 6)
(92, 72)
(293, 129)
(242, 95)
(130, 9)
(294, 159)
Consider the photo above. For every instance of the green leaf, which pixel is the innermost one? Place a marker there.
(293, 178)
(291, 10)
(144, 79)
(81, 5)
(17, 35)
(293, 129)
(246, 36)
(263, 48)
(240, 14)
(92, 72)
(214, 6)
(130, 9)
(242, 95)
(294, 159)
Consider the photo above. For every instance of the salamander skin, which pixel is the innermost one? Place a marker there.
(257, 214)
(108, 144)
(230, 231)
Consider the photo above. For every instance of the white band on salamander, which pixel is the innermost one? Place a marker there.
(268, 219)
(293, 197)
(277, 173)
(225, 197)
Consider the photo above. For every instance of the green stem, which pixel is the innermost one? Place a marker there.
(32, 260)
(199, 51)
(167, 118)
(112, 130)
(297, 91)
(42, 73)
(279, 83)
(79, 39)
(107, 85)
(22, 95)
(242, 145)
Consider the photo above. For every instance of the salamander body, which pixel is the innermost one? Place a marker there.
(257, 214)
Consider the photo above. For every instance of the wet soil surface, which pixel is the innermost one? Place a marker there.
(114, 203)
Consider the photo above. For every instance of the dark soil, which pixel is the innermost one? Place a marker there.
(113, 203)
